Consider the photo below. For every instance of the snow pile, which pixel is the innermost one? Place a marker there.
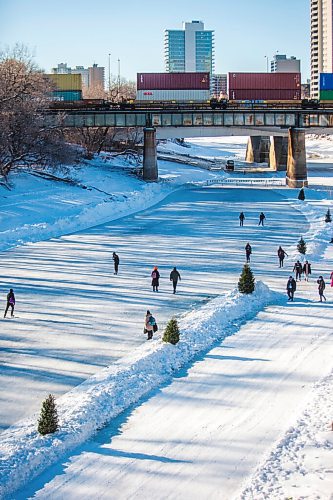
(301, 464)
(319, 233)
(24, 453)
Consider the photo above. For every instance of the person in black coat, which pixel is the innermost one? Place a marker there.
(306, 270)
(298, 269)
(321, 288)
(291, 288)
(241, 219)
(116, 262)
(281, 254)
(155, 276)
(248, 251)
(262, 217)
(174, 277)
(10, 303)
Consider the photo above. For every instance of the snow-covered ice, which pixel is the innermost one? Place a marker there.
(71, 313)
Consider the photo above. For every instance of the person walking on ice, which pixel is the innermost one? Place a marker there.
(241, 219)
(306, 270)
(298, 268)
(281, 254)
(116, 262)
(248, 251)
(174, 277)
(150, 325)
(291, 288)
(155, 283)
(321, 288)
(262, 217)
(10, 303)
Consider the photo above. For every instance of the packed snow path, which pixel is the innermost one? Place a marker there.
(74, 315)
(204, 434)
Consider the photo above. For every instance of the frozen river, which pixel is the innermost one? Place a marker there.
(74, 316)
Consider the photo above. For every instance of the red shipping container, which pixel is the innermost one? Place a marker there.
(269, 81)
(264, 95)
(173, 81)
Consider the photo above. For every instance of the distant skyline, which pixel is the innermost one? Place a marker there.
(85, 32)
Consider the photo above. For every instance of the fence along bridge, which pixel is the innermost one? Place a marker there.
(291, 123)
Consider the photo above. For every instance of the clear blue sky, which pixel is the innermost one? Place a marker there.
(86, 31)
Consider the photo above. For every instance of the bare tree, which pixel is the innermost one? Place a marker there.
(28, 136)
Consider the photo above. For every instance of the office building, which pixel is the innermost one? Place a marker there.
(282, 64)
(321, 41)
(190, 49)
(219, 86)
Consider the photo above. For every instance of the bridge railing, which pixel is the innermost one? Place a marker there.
(248, 182)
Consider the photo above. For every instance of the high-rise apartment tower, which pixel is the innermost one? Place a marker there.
(321, 41)
(190, 49)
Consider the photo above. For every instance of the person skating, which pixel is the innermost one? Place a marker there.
(116, 262)
(306, 270)
(321, 288)
(241, 219)
(331, 278)
(155, 283)
(174, 277)
(291, 288)
(150, 325)
(10, 303)
(298, 270)
(262, 217)
(281, 254)
(248, 251)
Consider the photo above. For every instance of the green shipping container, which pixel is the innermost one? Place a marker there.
(326, 95)
(66, 95)
(66, 82)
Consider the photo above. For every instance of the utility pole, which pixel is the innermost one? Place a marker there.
(109, 70)
(118, 77)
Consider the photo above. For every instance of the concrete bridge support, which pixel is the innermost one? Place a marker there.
(258, 149)
(278, 153)
(297, 175)
(150, 171)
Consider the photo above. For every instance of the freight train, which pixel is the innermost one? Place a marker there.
(191, 91)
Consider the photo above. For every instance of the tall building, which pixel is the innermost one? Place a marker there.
(190, 49)
(219, 85)
(282, 64)
(93, 76)
(321, 41)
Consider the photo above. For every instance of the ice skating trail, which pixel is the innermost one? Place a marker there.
(206, 433)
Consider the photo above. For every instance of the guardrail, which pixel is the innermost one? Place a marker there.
(247, 182)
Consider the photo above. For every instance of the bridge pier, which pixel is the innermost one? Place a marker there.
(150, 171)
(257, 150)
(297, 175)
(278, 153)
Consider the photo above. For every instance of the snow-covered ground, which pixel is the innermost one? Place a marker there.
(74, 317)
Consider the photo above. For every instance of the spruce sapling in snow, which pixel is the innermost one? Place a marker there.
(328, 217)
(301, 195)
(246, 280)
(171, 333)
(301, 246)
(48, 420)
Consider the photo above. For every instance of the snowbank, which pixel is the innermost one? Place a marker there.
(300, 464)
(24, 454)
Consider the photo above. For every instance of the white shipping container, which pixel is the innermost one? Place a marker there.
(173, 95)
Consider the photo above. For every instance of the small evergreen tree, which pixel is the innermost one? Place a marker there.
(301, 246)
(328, 217)
(301, 195)
(246, 280)
(48, 420)
(171, 333)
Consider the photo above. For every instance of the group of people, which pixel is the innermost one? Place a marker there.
(262, 217)
(291, 287)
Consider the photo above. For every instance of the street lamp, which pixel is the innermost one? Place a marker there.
(109, 69)
(266, 57)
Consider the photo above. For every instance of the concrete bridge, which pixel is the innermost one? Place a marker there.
(286, 150)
